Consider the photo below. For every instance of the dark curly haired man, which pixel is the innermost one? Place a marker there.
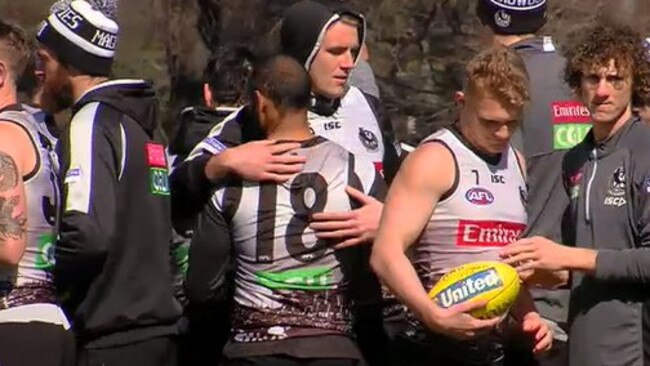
(607, 178)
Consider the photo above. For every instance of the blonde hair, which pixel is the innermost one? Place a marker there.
(500, 73)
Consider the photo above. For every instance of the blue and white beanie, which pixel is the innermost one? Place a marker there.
(81, 36)
(512, 16)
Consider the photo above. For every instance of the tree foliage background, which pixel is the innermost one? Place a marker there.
(417, 47)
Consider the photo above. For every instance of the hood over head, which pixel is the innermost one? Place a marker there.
(304, 25)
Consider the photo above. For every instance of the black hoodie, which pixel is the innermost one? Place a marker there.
(113, 263)
(303, 29)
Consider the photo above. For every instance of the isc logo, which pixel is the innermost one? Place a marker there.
(469, 288)
(479, 196)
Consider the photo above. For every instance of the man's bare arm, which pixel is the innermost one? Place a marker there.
(425, 176)
(13, 202)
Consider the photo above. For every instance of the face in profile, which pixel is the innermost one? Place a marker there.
(607, 92)
(490, 123)
(334, 61)
(56, 84)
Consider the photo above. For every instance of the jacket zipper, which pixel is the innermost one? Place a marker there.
(594, 155)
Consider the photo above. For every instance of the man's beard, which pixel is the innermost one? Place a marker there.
(57, 96)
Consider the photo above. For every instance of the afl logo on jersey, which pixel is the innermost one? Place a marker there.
(368, 139)
(479, 196)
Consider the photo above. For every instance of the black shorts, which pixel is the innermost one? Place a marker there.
(289, 361)
(36, 344)
(444, 351)
(161, 351)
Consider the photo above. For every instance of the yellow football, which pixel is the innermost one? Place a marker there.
(495, 282)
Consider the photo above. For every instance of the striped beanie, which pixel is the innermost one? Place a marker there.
(82, 37)
(512, 16)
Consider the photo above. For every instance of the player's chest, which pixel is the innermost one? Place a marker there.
(357, 132)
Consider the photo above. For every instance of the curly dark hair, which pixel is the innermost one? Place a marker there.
(593, 47)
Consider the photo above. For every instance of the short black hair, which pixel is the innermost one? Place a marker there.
(227, 72)
(283, 80)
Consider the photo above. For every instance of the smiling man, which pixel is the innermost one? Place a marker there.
(607, 178)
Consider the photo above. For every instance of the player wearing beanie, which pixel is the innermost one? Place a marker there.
(113, 265)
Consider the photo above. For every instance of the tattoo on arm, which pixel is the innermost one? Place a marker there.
(8, 173)
(12, 224)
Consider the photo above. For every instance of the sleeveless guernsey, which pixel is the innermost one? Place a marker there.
(30, 282)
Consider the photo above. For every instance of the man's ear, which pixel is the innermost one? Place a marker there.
(459, 98)
(4, 74)
(207, 95)
(260, 101)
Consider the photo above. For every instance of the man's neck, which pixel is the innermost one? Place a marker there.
(82, 83)
(508, 40)
(293, 127)
(8, 96)
(604, 130)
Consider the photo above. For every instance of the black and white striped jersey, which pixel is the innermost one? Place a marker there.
(288, 283)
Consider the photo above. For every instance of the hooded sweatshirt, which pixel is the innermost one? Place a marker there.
(113, 264)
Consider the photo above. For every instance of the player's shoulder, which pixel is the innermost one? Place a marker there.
(437, 146)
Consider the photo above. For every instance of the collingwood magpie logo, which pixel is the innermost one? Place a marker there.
(502, 18)
(368, 139)
(617, 182)
(616, 189)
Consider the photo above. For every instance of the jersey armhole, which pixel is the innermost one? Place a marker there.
(37, 164)
(519, 163)
(454, 186)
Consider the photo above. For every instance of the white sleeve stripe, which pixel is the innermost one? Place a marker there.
(123, 157)
(78, 178)
(214, 133)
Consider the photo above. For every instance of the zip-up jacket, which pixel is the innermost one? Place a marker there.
(609, 187)
(113, 262)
